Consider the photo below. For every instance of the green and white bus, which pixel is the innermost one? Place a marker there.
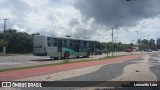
(62, 47)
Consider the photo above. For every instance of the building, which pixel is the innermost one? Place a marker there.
(158, 43)
(135, 48)
(152, 42)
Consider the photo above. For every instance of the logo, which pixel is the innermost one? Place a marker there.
(6, 84)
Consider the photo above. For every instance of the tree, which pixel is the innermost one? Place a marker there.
(99, 45)
(1, 35)
(108, 46)
(18, 42)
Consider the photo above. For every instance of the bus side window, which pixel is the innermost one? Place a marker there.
(55, 42)
(81, 43)
(84, 43)
(67, 43)
(48, 41)
(74, 43)
(71, 43)
(48, 38)
(64, 43)
(87, 44)
(49, 44)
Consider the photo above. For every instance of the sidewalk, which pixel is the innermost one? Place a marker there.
(25, 73)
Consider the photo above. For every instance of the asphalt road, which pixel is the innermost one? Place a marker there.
(125, 70)
(30, 60)
(146, 68)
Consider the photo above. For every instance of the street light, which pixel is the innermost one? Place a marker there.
(137, 37)
(112, 42)
(4, 41)
(112, 38)
(117, 39)
(137, 41)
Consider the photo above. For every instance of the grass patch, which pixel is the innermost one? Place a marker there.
(65, 61)
(2, 54)
(108, 57)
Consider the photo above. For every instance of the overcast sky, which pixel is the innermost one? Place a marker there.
(92, 19)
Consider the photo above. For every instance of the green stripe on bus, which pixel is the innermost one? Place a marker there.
(70, 51)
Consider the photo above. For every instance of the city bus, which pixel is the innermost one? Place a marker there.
(62, 47)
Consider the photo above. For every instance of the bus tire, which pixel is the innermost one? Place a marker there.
(66, 55)
(51, 58)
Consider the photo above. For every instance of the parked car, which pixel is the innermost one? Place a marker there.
(105, 51)
(156, 49)
(129, 50)
(149, 50)
(145, 49)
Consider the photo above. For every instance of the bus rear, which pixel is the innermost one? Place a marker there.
(39, 45)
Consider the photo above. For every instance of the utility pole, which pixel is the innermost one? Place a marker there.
(132, 47)
(117, 39)
(112, 38)
(112, 41)
(4, 38)
(137, 41)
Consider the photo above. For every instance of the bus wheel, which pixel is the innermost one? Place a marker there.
(51, 57)
(66, 55)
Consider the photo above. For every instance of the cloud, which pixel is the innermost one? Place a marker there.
(19, 29)
(112, 12)
(17, 8)
(81, 18)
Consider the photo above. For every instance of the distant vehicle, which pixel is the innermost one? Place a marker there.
(129, 50)
(149, 50)
(62, 47)
(145, 50)
(98, 52)
(156, 49)
(105, 51)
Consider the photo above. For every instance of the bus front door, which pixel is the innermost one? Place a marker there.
(59, 48)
